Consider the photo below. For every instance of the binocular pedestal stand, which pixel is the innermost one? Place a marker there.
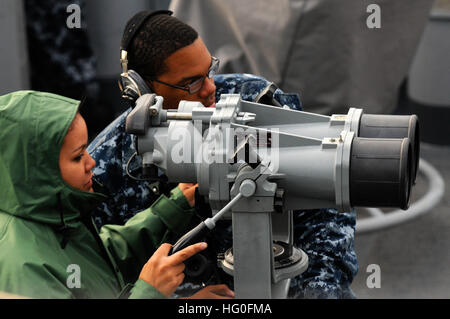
(261, 267)
(263, 258)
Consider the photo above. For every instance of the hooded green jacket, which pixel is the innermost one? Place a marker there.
(49, 245)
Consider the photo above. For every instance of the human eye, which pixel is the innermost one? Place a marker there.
(196, 83)
(190, 82)
(78, 158)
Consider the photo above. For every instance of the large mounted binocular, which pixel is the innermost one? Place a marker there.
(260, 162)
(340, 161)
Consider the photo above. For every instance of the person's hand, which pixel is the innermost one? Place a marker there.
(164, 272)
(188, 190)
(213, 292)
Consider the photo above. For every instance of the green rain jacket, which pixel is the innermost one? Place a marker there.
(49, 245)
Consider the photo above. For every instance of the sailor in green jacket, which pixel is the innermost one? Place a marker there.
(49, 246)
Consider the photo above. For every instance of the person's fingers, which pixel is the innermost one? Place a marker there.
(214, 292)
(222, 290)
(184, 186)
(180, 278)
(216, 296)
(187, 252)
(178, 269)
(163, 250)
(189, 192)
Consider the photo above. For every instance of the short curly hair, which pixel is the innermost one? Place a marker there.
(158, 38)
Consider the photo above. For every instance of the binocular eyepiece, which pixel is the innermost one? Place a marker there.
(381, 172)
(391, 127)
(384, 160)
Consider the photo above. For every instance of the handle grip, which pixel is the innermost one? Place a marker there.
(193, 236)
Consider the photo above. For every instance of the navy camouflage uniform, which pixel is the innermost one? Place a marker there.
(326, 235)
(62, 61)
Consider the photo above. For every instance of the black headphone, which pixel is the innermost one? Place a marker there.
(131, 84)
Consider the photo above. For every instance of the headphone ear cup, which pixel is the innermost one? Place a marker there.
(132, 86)
(141, 84)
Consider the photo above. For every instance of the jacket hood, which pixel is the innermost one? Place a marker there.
(32, 130)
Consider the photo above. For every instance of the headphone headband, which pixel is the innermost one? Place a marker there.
(135, 23)
(131, 84)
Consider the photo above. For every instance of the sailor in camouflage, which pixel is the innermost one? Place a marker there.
(326, 235)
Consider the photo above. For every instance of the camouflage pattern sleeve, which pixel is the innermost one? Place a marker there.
(327, 237)
(111, 150)
(249, 86)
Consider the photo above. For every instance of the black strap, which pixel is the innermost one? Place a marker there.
(135, 23)
(126, 292)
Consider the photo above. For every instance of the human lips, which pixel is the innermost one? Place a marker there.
(210, 102)
(89, 183)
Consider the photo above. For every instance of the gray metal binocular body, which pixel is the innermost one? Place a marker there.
(276, 160)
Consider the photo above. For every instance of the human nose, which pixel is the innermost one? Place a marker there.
(90, 163)
(208, 87)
